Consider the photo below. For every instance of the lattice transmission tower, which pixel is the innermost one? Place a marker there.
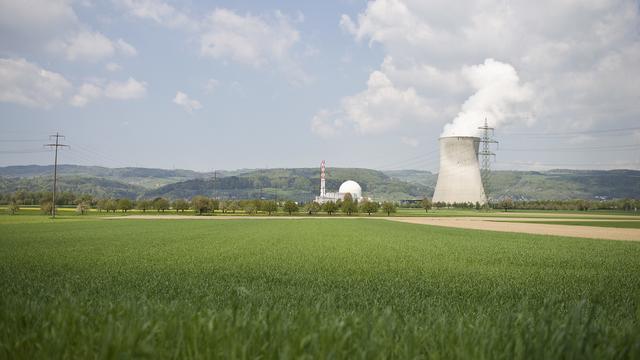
(485, 171)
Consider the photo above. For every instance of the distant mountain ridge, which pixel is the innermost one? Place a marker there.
(303, 183)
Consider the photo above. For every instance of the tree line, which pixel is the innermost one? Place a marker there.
(202, 205)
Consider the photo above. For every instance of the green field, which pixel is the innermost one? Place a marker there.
(86, 287)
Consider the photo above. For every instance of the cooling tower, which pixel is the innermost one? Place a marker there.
(459, 177)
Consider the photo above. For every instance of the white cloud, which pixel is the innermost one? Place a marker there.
(379, 108)
(98, 88)
(188, 104)
(125, 48)
(383, 106)
(33, 19)
(130, 89)
(25, 83)
(33, 25)
(113, 67)
(85, 45)
(247, 39)
(327, 124)
(223, 34)
(570, 71)
(86, 92)
(158, 11)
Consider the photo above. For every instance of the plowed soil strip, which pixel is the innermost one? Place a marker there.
(592, 232)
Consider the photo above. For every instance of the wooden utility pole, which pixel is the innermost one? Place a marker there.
(55, 145)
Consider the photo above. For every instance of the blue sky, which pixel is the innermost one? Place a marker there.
(246, 84)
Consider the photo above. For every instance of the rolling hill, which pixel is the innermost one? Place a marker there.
(303, 183)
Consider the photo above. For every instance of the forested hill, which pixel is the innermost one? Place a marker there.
(548, 185)
(303, 183)
(144, 177)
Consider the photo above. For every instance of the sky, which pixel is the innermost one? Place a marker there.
(207, 85)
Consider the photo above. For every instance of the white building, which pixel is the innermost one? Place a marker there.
(347, 187)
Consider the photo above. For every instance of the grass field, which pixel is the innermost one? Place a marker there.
(86, 287)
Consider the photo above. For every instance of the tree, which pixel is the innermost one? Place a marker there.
(250, 208)
(46, 206)
(144, 205)
(369, 207)
(426, 204)
(270, 207)
(111, 205)
(86, 198)
(312, 208)
(478, 205)
(290, 207)
(161, 204)
(583, 205)
(233, 206)
(101, 205)
(258, 204)
(223, 206)
(181, 205)
(13, 207)
(214, 205)
(506, 203)
(82, 207)
(330, 207)
(125, 204)
(388, 207)
(200, 204)
(349, 206)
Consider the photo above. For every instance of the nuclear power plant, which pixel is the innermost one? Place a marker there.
(459, 179)
(347, 187)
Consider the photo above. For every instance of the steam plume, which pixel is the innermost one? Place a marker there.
(499, 97)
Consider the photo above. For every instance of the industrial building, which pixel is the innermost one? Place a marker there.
(459, 179)
(347, 187)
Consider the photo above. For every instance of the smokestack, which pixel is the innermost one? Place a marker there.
(459, 178)
(322, 180)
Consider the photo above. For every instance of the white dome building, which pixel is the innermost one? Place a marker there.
(347, 187)
(350, 187)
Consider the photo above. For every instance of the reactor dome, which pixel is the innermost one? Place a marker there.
(351, 187)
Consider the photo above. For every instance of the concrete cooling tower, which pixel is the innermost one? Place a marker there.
(459, 176)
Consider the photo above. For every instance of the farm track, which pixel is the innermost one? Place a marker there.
(475, 223)
(506, 225)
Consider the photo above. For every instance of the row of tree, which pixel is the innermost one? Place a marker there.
(38, 197)
(204, 205)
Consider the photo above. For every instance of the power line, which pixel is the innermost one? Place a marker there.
(23, 151)
(583, 148)
(55, 145)
(569, 133)
(485, 170)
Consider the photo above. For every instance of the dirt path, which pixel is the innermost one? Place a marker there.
(499, 224)
(567, 215)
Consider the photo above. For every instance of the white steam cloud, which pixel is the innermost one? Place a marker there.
(499, 97)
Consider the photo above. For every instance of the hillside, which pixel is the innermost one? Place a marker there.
(543, 185)
(300, 184)
(145, 177)
(303, 183)
(95, 186)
